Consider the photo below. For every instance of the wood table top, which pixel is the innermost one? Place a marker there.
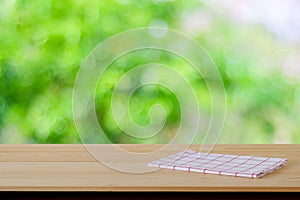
(70, 167)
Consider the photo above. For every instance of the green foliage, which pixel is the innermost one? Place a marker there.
(43, 44)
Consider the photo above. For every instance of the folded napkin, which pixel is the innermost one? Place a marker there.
(221, 164)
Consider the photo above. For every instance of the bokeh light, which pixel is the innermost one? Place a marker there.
(255, 44)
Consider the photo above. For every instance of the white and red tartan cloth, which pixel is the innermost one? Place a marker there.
(221, 164)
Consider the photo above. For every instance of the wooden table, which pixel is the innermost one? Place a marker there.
(69, 167)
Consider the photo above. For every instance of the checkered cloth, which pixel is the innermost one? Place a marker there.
(221, 164)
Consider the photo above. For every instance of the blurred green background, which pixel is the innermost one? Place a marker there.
(255, 44)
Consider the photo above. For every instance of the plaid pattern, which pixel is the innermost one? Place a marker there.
(221, 164)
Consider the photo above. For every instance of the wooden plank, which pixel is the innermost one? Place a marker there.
(69, 167)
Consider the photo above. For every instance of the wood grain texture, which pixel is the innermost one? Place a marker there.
(53, 167)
